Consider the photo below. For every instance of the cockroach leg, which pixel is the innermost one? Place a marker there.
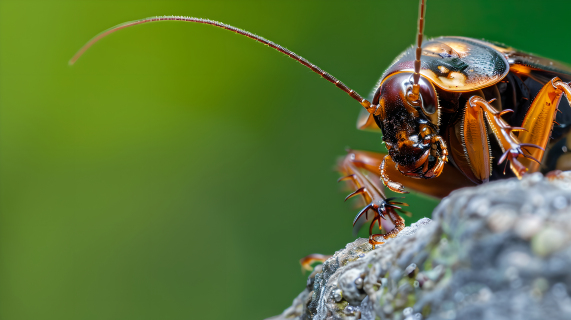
(372, 240)
(554, 175)
(307, 261)
(383, 209)
(356, 192)
(395, 220)
(476, 144)
(372, 236)
(539, 121)
(349, 177)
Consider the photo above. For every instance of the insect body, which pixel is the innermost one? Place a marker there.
(440, 108)
(455, 132)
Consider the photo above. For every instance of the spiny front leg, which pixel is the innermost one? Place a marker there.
(476, 144)
(368, 186)
(393, 225)
(539, 119)
(448, 180)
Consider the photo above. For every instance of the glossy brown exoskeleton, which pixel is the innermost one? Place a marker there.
(440, 108)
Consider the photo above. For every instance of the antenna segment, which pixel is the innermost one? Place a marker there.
(414, 96)
(364, 102)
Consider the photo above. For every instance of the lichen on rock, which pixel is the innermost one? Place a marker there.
(501, 250)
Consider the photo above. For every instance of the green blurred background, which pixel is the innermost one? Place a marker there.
(179, 171)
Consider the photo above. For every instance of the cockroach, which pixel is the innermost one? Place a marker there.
(440, 107)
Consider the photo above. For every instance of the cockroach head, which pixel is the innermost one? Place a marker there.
(409, 127)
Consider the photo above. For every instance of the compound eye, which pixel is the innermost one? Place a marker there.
(429, 97)
(428, 101)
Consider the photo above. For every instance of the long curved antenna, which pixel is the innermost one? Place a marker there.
(364, 102)
(415, 87)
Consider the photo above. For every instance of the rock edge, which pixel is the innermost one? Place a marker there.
(501, 250)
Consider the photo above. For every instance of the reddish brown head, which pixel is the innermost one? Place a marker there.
(410, 128)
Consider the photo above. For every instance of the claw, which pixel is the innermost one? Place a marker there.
(503, 158)
(392, 206)
(380, 212)
(505, 112)
(400, 203)
(346, 178)
(512, 156)
(505, 167)
(372, 240)
(493, 99)
(365, 211)
(532, 158)
(531, 146)
(307, 261)
(357, 192)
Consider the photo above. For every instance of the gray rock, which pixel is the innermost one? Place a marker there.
(501, 250)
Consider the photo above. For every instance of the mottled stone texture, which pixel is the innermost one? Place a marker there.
(498, 251)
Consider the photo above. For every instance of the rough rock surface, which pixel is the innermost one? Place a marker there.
(498, 251)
